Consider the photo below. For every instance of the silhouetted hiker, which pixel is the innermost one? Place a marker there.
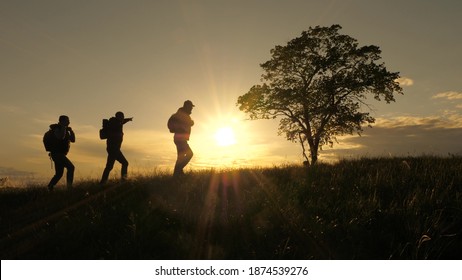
(113, 144)
(58, 144)
(180, 123)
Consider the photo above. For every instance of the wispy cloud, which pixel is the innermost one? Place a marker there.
(405, 82)
(13, 172)
(11, 109)
(10, 171)
(448, 119)
(405, 135)
(449, 95)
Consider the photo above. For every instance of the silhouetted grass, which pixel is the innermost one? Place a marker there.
(371, 208)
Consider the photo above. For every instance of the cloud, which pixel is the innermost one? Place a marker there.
(449, 95)
(405, 82)
(13, 172)
(13, 177)
(11, 109)
(448, 119)
(405, 135)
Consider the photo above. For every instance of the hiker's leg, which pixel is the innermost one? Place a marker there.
(178, 170)
(111, 158)
(184, 155)
(70, 171)
(124, 162)
(188, 155)
(59, 170)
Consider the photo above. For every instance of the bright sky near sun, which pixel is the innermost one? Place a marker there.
(89, 59)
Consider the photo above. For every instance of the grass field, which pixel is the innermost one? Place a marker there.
(371, 208)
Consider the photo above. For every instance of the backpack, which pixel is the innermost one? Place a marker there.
(49, 140)
(172, 123)
(103, 132)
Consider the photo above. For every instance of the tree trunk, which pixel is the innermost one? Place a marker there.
(314, 156)
(314, 145)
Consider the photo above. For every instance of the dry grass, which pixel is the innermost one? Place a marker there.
(398, 208)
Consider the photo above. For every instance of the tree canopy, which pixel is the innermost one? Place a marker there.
(317, 86)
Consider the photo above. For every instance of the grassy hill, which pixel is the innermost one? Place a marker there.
(381, 208)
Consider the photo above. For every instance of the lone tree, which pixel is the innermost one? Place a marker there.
(317, 85)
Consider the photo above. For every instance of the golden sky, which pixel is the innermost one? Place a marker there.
(89, 59)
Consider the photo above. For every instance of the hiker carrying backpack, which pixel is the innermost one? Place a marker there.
(180, 123)
(57, 142)
(114, 135)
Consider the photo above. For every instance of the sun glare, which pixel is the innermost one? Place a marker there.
(225, 136)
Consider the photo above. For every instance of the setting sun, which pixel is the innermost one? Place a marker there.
(225, 136)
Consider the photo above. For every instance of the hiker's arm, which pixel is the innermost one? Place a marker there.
(127, 120)
(71, 134)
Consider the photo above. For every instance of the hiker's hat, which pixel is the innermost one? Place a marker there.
(188, 103)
